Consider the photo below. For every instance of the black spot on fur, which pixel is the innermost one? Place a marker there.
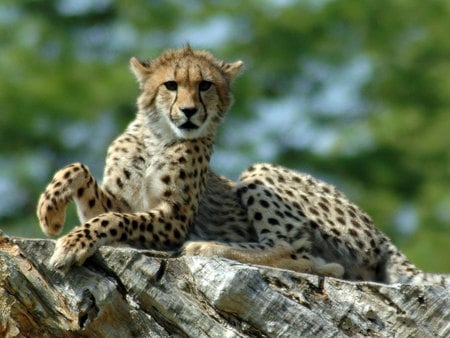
(119, 183)
(273, 221)
(127, 174)
(313, 211)
(353, 232)
(313, 224)
(176, 234)
(324, 207)
(182, 174)
(336, 232)
(250, 201)
(91, 203)
(258, 216)
(264, 203)
(360, 244)
(80, 192)
(134, 224)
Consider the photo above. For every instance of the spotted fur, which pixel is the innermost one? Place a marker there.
(158, 189)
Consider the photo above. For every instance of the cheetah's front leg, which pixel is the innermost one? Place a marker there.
(72, 182)
(152, 227)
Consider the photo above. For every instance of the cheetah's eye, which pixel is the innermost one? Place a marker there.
(204, 85)
(171, 85)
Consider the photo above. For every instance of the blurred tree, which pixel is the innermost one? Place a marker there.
(355, 92)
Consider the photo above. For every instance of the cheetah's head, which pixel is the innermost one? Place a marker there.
(185, 93)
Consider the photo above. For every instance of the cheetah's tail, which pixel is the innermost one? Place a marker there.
(396, 268)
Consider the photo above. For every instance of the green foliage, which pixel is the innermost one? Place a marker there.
(355, 92)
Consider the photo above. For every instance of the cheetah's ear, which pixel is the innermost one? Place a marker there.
(231, 70)
(140, 69)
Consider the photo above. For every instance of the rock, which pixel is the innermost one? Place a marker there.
(125, 292)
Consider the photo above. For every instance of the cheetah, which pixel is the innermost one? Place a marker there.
(159, 190)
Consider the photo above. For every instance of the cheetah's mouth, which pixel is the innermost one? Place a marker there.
(188, 126)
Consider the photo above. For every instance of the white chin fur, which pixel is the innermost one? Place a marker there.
(188, 133)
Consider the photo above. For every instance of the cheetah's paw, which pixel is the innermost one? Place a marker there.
(331, 269)
(51, 214)
(70, 251)
(207, 249)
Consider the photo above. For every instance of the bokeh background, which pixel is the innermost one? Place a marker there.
(356, 92)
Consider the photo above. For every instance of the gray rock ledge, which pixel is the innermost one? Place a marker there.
(125, 292)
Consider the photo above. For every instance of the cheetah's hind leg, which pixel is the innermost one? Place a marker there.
(278, 256)
(72, 182)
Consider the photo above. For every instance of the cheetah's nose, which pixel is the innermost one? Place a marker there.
(189, 111)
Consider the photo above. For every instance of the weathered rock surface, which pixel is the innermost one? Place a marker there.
(124, 292)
